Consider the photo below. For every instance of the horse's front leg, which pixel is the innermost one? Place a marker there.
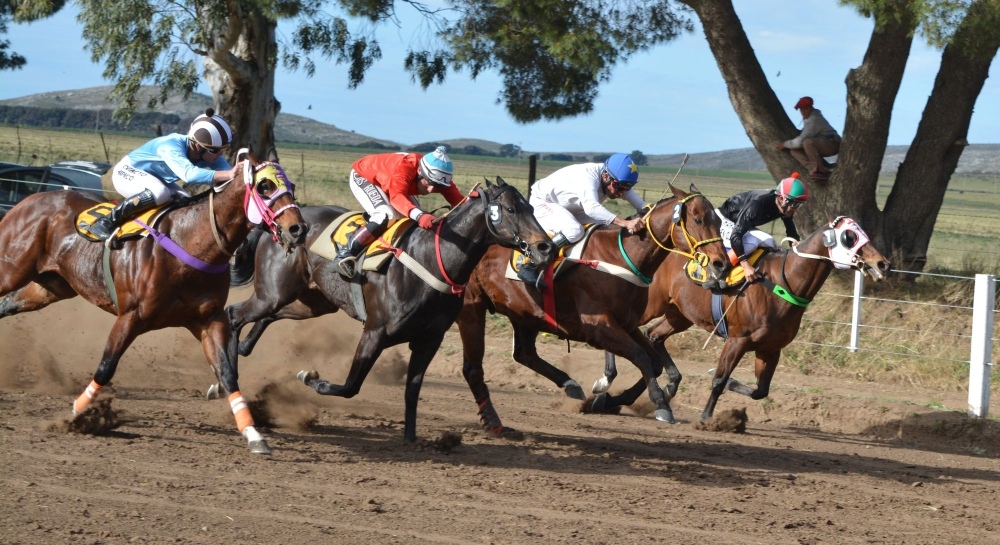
(673, 322)
(472, 328)
(732, 353)
(123, 333)
(34, 296)
(215, 336)
(764, 367)
(373, 342)
(421, 354)
(526, 354)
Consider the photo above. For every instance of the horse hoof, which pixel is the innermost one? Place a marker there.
(664, 415)
(600, 404)
(504, 432)
(213, 392)
(259, 447)
(601, 386)
(574, 390)
(305, 376)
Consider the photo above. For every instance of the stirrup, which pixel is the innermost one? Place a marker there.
(348, 266)
(531, 276)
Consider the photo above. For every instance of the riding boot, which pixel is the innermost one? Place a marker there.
(531, 273)
(125, 210)
(347, 254)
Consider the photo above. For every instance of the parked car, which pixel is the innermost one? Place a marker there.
(19, 181)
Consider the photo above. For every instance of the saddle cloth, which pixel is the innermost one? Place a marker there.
(572, 252)
(698, 273)
(376, 254)
(129, 229)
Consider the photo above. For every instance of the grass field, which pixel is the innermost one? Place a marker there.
(915, 343)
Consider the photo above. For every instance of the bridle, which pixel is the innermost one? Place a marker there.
(257, 208)
(493, 212)
(676, 219)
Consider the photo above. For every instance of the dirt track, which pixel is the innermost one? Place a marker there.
(826, 462)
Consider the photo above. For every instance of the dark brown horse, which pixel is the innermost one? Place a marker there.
(763, 317)
(592, 306)
(46, 260)
(408, 303)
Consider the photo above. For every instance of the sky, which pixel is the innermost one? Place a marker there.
(670, 99)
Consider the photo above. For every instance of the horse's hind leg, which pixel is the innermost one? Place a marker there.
(635, 347)
(35, 296)
(526, 354)
(673, 322)
(214, 337)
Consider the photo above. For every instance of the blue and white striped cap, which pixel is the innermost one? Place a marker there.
(437, 168)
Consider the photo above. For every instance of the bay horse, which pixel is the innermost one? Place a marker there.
(763, 317)
(413, 304)
(590, 305)
(174, 278)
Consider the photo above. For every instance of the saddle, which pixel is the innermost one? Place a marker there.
(129, 230)
(375, 256)
(571, 252)
(697, 272)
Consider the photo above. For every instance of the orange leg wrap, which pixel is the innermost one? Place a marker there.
(86, 397)
(240, 411)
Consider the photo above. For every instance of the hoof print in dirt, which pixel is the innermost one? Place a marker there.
(448, 441)
(97, 419)
(733, 420)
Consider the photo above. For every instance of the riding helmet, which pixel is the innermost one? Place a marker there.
(437, 168)
(210, 130)
(793, 188)
(622, 169)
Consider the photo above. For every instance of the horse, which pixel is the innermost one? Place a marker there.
(406, 303)
(763, 317)
(174, 278)
(588, 304)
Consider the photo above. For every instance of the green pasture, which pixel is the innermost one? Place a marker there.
(918, 344)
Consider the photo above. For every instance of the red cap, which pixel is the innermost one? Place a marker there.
(804, 102)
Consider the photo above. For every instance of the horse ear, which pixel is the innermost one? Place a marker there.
(679, 193)
(693, 189)
(272, 155)
(500, 181)
(488, 182)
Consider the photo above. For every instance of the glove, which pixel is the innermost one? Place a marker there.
(425, 221)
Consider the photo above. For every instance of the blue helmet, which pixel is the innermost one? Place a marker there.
(622, 169)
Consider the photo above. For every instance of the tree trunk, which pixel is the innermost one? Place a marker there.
(240, 72)
(916, 198)
(757, 106)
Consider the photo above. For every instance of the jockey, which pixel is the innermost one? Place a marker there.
(742, 213)
(148, 176)
(572, 196)
(386, 185)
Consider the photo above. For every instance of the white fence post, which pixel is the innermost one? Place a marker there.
(859, 284)
(980, 358)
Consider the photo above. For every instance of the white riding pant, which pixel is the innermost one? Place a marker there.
(752, 239)
(130, 181)
(555, 219)
(373, 199)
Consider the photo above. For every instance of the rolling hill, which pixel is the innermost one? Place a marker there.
(87, 108)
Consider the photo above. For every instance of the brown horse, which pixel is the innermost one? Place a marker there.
(763, 317)
(414, 301)
(592, 306)
(177, 280)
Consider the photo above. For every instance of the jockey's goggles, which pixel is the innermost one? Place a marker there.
(620, 186)
(788, 202)
(212, 149)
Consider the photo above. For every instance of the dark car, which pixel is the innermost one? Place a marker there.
(19, 181)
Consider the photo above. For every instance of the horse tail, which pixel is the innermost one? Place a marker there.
(241, 272)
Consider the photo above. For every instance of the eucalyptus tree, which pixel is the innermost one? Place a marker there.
(553, 55)
(21, 12)
(231, 44)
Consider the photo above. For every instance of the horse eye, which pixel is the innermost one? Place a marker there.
(510, 209)
(698, 221)
(264, 186)
(849, 238)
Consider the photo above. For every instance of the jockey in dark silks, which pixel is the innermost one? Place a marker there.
(742, 213)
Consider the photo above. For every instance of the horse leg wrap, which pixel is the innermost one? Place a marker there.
(489, 417)
(86, 397)
(240, 411)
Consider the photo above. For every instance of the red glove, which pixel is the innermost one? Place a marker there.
(425, 221)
